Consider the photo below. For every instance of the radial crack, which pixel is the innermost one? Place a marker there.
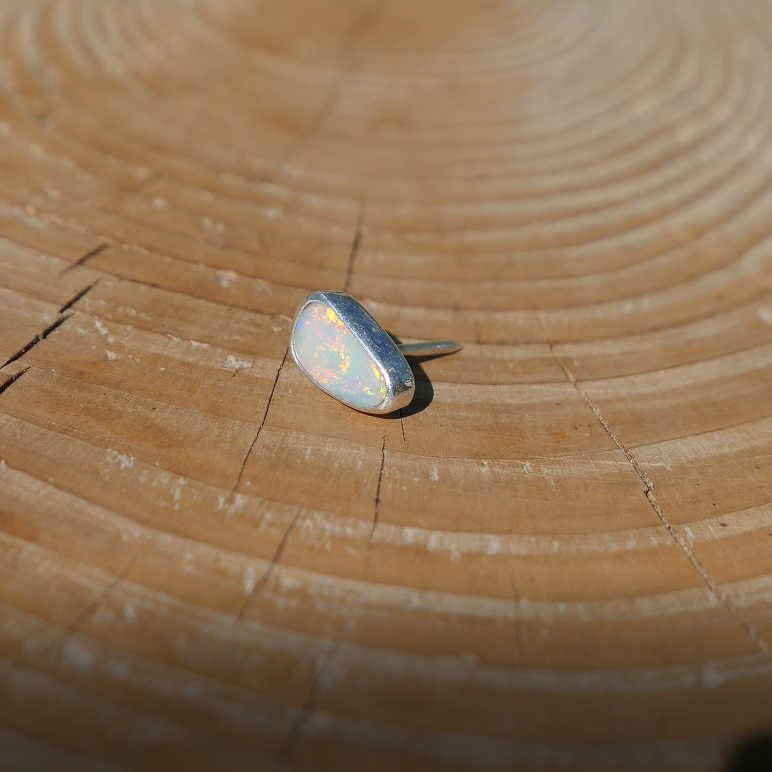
(12, 380)
(51, 327)
(377, 512)
(94, 604)
(347, 54)
(73, 626)
(628, 455)
(287, 749)
(713, 588)
(77, 297)
(275, 560)
(355, 244)
(82, 260)
(37, 339)
(259, 428)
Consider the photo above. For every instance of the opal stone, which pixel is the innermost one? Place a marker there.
(332, 356)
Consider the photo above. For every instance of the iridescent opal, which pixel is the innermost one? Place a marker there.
(333, 357)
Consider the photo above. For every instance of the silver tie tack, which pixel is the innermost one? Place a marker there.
(346, 353)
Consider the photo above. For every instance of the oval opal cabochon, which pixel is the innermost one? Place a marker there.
(332, 356)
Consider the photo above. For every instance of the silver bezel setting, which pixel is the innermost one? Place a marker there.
(400, 384)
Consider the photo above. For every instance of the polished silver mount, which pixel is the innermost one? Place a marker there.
(388, 355)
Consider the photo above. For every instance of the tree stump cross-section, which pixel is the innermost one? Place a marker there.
(558, 557)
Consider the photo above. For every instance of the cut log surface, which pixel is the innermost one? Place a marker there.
(559, 557)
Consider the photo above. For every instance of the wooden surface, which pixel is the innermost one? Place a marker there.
(559, 558)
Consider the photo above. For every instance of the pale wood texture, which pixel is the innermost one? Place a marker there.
(560, 558)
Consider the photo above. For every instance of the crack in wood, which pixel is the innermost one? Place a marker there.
(377, 504)
(262, 423)
(94, 604)
(376, 513)
(517, 598)
(77, 297)
(355, 244)
(268, 573)
(291, 741)
(41, 336)
(346, 51)
(12, 380)
(73, 626)
(713, 588)
(316, 120)
(82, 260)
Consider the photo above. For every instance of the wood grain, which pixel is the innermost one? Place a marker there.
(559, 557)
